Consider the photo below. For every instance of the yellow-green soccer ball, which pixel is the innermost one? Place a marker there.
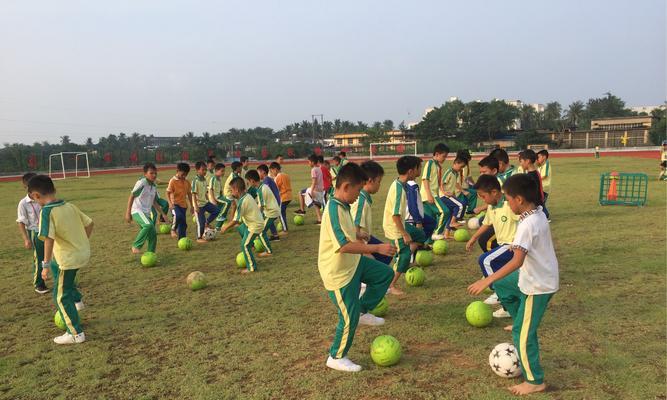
(461, 235)
(440, 247)
(259, 246)
(184, 243)
(148, 259)
(385, 351)
(479, 314)
(164, 229)
(194, 219)
(424, 258)
(58, 319)
(299, 220)
(240, 260)
(381, 309)
(415, 276)
(196, 280)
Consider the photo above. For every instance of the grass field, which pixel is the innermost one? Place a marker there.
(266, 335)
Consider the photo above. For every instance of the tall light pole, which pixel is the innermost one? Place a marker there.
(313, 116)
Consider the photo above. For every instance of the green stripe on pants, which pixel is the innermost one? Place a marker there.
(223, 206)
(264, 237)
(416, 234)
(37, 258)
(401, 261)
(439, 212)
(247, 244)
(65, 296)
(526, 312)
(377, 278)
(147, 232)
(471, 198)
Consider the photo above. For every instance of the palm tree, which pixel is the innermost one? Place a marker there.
(574, 113)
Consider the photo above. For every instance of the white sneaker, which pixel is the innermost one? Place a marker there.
(370, 320)
(435, 236)
(501, 313)
(79, 305)
(70, 339)
(492, 300)
(342, 364)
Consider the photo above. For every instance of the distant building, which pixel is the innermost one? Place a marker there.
(646, 109)
(158, 141)
(516, 125)
(397, 136)
(608, 132)
(350, 140)
(622, 123)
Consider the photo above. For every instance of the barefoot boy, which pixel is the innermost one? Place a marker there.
(141, 205)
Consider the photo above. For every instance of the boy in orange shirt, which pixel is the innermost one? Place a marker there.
(285, 187)
(180, 199)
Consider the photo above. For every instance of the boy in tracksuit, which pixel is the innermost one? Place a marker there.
(267, 180)
(450, 195)
(65, 231)
(268, 207)
(416, 218)
(343, 267)
(216, 194)
(28, 222)
(200, 202)
(527, 282)
(180, 199)
(544, 167)
(430, 186)
(143, 208)
(284, 185)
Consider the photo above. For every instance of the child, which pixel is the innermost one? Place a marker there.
(140, 206)
(249, 219)
(210, 169)
(237, 169)
(361, 209)
(268, 206)
(395, 210)
(28, 223)
(267, 180)
(416, 220)
(285, 187)
(466, 182)
(343, 268)
(326, 177)
(505, 170)
(245, 164)
(487, 240)
(527, 159)
(500, 217)
(525, 293)
(314, 195)
(430, 185)
(450, 195)
(200, 202)
(180, 199)
(65, 231)
(280, 159)
(216, 195)
(343, 158)
(663, 161)
(544, 168)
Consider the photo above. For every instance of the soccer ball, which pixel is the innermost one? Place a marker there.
(415, 276)
(148, 259)
(440, 247)
(482, 214)
(299, 220)
(184, 243)
(473, 223)
(240, 260)
(381, 309)
(504, 361)
(461, 235)
(196, 280)
(259, 246)
(58, 319)
(385, 351)
(479, 314)
(164, 228)
(424, 258)
(278, 225)
(209, 234)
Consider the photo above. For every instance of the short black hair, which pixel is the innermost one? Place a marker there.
(274, 165)
(210, 161)
(406, 163)
(184, 167)
(236, 165)
(263, 168)
(351, 173)
(200, 164)
(342, 154)
(500, 155)
(528, 155)
(487, 183)
(320, 159)
(372, 169)
(26, 177)
(460, 160)
(238, 183)
(243, 159)
(219, 166)
(489, 162)
(41, 184)
(543, 152)
(465, 154)
(252, 175)
(336, 158)
(440, 148)
(313, 158)
(522, 185)
(279, 155)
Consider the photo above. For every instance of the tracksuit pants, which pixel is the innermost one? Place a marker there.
(66, 295)
(37, 258)
(202, 221)
(283, 214)
(495, 259)
(180, 224)
(147, 232)
(439, 212)
(247, 244)
(377, 277)
(223, 208)
(401, 260)
(487, 241)
(386, 260)
(456, 206)
(471, 199)
(263, 237)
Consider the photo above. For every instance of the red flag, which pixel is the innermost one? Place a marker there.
(133, 157)
(159, 156)
(400, 149)
(32, 161)
(237, 153)
(107, 157)
(209, 152)
(318, 151)
(374, 149)
(185, 156)
(290, 152)
(265, 153)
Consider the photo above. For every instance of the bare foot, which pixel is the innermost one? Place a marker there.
(264, 254)
(282, 233)
(136, 251)
(455, 225)
(508, 328)
(174, 235)
(245, 271)
(201, 241)
(396, 291)
(527, 388)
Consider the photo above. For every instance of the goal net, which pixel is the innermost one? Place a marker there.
(389, 149)
(73, 164)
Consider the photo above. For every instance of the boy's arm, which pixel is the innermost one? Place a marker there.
(515, 263)
(398, 221)
(89, 229)
(429, 195)
(188, 198)
(26, 240)
(357, 247)
(128, 214)
(313, 183)
(158, 208)
(476, 236)
(48, 254)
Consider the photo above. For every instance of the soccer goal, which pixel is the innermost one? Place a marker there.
(388, 149)
(74, 163)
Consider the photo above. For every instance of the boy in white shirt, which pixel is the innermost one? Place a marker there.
(526, 293)
(28, 223)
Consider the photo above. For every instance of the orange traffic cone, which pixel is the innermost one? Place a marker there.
(612, 194)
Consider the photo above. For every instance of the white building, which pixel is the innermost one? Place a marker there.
(646, 109)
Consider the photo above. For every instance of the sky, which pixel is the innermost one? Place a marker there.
(92, 68)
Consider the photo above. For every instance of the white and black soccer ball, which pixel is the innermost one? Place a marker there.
(209, 234)
(473, 223)
(504, 360)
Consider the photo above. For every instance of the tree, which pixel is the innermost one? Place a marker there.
(574, 113)
(65, 140)
(552, 117)
(528, 117)
(658, 131)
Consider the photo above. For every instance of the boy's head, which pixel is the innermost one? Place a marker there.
(527, 159)
(326, 164)
(459, 163)
(409, 166)
(342, 154)
(521, 192)
(488, 166)
(503, 159)
(182, 170)
(219, 169)
(252, 177)
(488, 189)
(200, 167)
(279, 159)
(440, 152)
(464, 154)
(210, 163)
(274, 168)
(312, 160)
(542, 156)
(26, 178)
(237, 186)
(336, 160)
(244, 161)
(237, 166)
(150, 172)
(263, 171)
(374, 172)
(41, 189)
(320, 160)
(351, 178)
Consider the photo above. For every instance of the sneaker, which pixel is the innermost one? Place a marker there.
(342, 364)
(318, 223)
(501, 313)
(301, 212)
(42, 289)
(461, 221)
(70, 339)
(436, 236)
(370, 320)
(275, 238)
(492, 300)
(79, 305)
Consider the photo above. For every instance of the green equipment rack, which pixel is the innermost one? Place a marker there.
(631, 189)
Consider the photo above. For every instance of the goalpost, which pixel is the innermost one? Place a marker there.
(384, 148)
(62, 174)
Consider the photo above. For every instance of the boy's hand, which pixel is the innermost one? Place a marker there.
(45, 269)
(361, 235)
(27, 243)
(128, 218)
(385, 249)
(477, 287)
(479, 209)
(470, 243)
(420, 226)
(407, 238)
